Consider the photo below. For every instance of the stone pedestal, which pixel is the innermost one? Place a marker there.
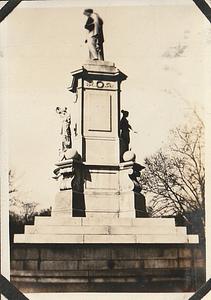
(96, 112)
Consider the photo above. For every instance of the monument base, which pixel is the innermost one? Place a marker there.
(107, 267)
(102, 229)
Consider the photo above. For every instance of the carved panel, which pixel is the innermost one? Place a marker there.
(99, 84)
(98, 112)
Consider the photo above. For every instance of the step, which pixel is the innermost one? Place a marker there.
(96, 221)
(106, 239)
(102, 229)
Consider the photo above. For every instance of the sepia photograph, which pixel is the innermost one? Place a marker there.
(105, 120)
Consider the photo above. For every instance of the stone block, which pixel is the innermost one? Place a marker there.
(73, 252)
(102, 180)
(199, 263)
(181, 230)
(59, 265)
(128, 264)
(127, 205)
(136, 252)
(193, 238)
(185, 252)
(55, 221)
(65, 280)
(119, 252)
(154, 222)
(16, 264)
(106, 221)
(25, 253)
(101, 203)
(142, 230)
(26, 279)
(41, 220)
(107, 151)
(113, 280)
(107, 239)
(160, 263)
(161, 239)
(170, 253)
(18, 253)
(66, 229)
(48, 238)
(93, 264)
(197, 253)
(100, 253)
(63, 204)
(185, 263)
(30, 265)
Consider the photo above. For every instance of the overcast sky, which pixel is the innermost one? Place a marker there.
(160, 48)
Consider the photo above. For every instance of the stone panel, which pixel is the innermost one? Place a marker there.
(98, 112)
(101, 151)
(63, 204)
(102, 180)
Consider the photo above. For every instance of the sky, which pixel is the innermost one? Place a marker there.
(160, 48)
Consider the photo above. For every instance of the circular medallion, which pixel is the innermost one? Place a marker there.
(100, 84)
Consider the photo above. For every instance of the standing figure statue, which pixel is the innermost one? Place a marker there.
(125, 129)
(95, 39)
(65, 128)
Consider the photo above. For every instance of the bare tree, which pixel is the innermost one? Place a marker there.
(17, 205)
(28, 209)
(14, 199)
(175, 177)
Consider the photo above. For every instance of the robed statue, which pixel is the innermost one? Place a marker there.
(66, 142)
(125, 129)
(95, 39)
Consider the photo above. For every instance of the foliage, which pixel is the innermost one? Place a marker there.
(174, 178)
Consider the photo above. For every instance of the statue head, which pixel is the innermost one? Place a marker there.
(88, 12)
(125, 113)
(61, 111)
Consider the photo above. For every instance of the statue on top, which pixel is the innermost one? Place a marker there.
(95, 39)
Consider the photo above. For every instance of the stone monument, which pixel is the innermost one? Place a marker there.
(99, 230)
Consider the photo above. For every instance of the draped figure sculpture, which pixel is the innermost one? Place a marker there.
(66, 142)
(95, 38)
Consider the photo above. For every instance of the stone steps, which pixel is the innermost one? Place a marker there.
(97, 221)
(76, 230)
(106, 239)
(102, 229)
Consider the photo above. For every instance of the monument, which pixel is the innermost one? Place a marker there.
(99, 236)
